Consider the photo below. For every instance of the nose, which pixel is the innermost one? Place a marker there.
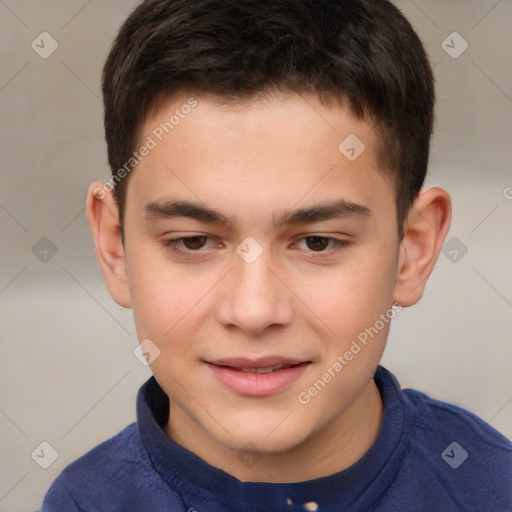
(253, 296)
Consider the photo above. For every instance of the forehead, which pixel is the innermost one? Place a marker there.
(276, 149)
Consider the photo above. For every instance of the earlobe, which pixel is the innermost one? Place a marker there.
(103, 216)
(425, 230)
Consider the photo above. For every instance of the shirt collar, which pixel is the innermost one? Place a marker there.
(202, 485)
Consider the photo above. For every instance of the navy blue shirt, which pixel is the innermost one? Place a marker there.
(429, 456)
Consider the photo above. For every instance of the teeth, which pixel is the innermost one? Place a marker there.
(269, 369)
(264, 370)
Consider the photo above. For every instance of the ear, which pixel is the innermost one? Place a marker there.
(103, 216)
(425, 229)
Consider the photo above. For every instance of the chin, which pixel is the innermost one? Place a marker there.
(264, 440)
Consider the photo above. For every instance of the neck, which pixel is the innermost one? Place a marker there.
(338, 446)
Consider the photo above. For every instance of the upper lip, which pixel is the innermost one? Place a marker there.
(263, 362)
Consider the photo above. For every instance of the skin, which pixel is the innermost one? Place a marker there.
(298, 299)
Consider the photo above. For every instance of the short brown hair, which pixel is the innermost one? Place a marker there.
(361, 51)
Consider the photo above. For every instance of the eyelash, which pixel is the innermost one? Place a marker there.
(172, 244)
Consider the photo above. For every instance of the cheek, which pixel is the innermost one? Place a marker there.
(352, 297)
(162, 295)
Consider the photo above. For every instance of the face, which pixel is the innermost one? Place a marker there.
(258, 251)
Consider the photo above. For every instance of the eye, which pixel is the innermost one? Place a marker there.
(319, 243)
(194, 244)
(191, 243)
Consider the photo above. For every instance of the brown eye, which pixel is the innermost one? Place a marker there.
(317, 243)
(195, 242)
(186, 245)
(316, 246)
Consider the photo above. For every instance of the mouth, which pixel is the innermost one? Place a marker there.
(257, 377)
(269, 369)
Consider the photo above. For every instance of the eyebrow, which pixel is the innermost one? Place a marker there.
(338, 209)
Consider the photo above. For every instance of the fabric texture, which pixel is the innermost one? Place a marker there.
(429, 456)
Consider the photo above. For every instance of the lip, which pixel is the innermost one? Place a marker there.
(230, 373)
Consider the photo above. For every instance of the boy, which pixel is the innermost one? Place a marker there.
(265, 221)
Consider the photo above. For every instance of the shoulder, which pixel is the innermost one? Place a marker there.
(119, 452)
(117, 448)
(116, 473)
(436, 419)
(458, 452)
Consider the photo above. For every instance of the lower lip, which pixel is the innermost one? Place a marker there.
(258, 384)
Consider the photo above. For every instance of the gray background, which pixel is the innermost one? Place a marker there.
(68, 375)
